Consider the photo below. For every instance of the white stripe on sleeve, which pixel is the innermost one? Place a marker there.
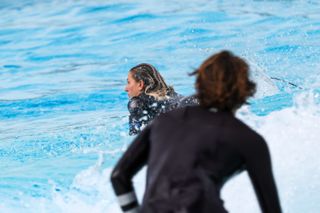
(127, 198)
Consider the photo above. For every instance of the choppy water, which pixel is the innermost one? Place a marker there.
(63, 116)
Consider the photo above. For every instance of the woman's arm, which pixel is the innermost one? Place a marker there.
(260, 172)
(130, 163)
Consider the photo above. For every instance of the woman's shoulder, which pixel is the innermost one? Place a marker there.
(136, 103)
(141, 101)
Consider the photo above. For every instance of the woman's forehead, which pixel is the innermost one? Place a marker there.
(130, 75)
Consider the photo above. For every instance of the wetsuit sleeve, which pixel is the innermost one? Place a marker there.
(130, 163)
(137, 117)
(260, 172)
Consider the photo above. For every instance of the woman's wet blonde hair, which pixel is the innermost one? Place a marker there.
(154, 83)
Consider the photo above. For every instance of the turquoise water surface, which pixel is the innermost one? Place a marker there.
(63, 111)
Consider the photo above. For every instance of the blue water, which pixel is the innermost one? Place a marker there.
(63, 68)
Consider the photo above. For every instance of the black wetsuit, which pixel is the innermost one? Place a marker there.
(190, 153)
(144, 108)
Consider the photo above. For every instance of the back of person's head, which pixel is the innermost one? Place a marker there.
(222, 82)
(154, 83)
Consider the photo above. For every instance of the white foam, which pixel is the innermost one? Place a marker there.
(265, 86)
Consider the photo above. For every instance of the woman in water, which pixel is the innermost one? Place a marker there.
(149, 96)
(193, 151)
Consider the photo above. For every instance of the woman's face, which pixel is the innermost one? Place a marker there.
(133, 87)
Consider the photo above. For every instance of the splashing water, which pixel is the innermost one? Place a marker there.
(63, 115)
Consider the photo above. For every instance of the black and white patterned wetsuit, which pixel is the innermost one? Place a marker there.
(144, 108)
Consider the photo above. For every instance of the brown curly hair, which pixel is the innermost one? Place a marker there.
(222, 82)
